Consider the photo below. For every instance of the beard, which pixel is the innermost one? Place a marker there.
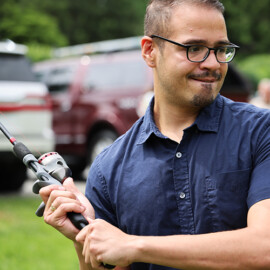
(208, 93)
(205, 99)
(203, 94)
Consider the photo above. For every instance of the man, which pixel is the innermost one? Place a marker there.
(262, 99)
(187, 187)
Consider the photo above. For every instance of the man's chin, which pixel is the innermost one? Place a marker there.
(207, 95)
(202, 101)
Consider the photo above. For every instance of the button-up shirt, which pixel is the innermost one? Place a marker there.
(147, 184)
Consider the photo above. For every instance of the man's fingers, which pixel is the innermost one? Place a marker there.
(57, 214)
(69, 185)
(67, 208)
(45, 192)
(83, 233)
(59, 201)
(57, 197)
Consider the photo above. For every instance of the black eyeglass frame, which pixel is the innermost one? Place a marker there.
(230, 45)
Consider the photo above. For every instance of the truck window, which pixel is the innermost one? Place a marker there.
(107, 76)
(17, 68)
(58, 80)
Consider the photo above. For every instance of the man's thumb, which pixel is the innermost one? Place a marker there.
(69, 185)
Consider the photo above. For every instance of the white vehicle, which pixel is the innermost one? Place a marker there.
(25, 110)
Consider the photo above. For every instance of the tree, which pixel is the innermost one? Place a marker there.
(28, 25)
(70, 22)
(94, 20)
(248, 24)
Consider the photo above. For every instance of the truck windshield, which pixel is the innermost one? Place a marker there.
(15, 68)
(106, 76)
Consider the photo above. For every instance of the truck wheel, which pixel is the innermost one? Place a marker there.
(12, 177)
(101, 140)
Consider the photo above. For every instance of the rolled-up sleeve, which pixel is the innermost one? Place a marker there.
(97, 193)
(260, 178)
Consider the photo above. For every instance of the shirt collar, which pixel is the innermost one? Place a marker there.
(207, 121)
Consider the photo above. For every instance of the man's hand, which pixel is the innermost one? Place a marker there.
(104, 243)
(59, 201)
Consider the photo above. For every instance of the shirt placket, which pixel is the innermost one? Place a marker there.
(182, 189)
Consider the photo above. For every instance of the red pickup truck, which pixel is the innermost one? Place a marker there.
(96, 96)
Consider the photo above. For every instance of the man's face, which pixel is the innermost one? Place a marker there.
(180, 81)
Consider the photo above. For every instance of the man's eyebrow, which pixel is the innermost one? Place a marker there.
(204, 42)
(224, 42)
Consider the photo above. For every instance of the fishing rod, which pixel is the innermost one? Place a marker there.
(50, 169)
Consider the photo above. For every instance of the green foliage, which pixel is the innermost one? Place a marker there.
(26, 25)
(68, 22)
(38, 52)
(81, 21)
(248, 25)
(27, 242)
(256, 67)
(94, 20)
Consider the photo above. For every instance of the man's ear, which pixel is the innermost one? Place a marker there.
(148, 51)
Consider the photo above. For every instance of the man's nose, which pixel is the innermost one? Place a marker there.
(210, 62)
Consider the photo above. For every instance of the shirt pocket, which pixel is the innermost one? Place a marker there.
(226, 199)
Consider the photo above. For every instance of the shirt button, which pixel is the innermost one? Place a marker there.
(182, 195)
(178, 155)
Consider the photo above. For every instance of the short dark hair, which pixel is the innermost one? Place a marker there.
(158, 14)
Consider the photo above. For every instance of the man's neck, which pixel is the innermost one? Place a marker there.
(172, 120)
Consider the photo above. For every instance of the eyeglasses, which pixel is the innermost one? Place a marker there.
(199, 53)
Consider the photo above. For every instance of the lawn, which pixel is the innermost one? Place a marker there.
(26, 242)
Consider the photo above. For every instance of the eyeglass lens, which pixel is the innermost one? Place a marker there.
(200, 53)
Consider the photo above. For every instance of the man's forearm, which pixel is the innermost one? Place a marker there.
(240, 249)
(247, 248)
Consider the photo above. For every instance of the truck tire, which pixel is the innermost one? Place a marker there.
(12, 176)
(101, 140)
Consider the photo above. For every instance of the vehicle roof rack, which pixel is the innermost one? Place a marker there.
(8, 46)
(107, 46)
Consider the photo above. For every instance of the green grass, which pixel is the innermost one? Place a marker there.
(26, 242)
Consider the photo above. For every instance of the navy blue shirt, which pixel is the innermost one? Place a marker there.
(147, 184)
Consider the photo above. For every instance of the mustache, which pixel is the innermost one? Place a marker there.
(207, 74)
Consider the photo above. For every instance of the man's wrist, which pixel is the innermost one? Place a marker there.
(78, 246)
(137, 245)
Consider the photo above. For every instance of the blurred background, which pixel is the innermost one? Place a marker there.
(49, 24)
(72, 80)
